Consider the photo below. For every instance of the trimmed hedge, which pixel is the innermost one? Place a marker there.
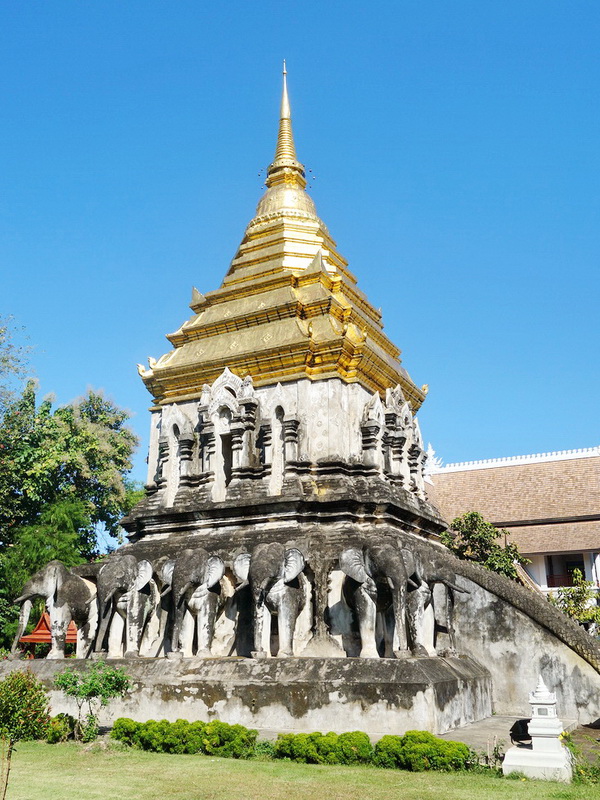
(209, 738)
(416, 750)
(329, 748)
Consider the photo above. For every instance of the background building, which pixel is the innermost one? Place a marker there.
(549, 503)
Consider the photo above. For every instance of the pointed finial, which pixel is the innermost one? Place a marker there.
(285, 112)
(285, 161)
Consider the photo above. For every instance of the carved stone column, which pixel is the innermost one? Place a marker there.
(237, 443)
(186, 451)
(415, 461)
(248, 408)
(163, 458)
(370, 432)
(396, 449)
(290, 438)
(265, 443)
(208, 447)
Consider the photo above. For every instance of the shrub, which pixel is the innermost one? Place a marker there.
(584, 771)
(61, 728)
(23, 707)
(471, 537)
(388, 752)
(195, 738)
(125, 730)
(419, 750)
(213, 738)
(264, 751)
(150, 735)
(93, 688)
(283, 746)
(23, 714)
(229, 741)
(308, 748)
(354, 748)
(416, 750)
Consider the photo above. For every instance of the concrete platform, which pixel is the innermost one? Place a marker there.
(294, 695)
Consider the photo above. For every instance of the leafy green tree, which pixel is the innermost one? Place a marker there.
(79, 451)
(23, 715)
(60, 532)
(14, 358)
(470, 537)
(92, 689)
(578, 601)
(62, 485)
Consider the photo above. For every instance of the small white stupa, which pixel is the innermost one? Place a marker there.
(546, 757)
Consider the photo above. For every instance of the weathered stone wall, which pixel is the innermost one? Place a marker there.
(518, 636)
(329, 412)
(297, 694)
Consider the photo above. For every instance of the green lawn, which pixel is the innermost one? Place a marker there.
(61, 772)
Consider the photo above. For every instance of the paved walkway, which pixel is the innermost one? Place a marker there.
(489, 733)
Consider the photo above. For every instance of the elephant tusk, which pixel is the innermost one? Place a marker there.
(166, 591)
(260, 600)
(457, 588)
(109, 598)
(182, 592)
(20, 600)
(410, 582)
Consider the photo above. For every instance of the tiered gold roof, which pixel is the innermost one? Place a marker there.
(288, 307)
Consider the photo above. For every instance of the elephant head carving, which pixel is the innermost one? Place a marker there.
(125, 598)
(378, 581)
(438, 585)
(195, 589)
(273, 573)
(68, 597)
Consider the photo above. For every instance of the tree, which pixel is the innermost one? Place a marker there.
(14, 359)
(578, 602)
(470, 537)
(92, 689)
(23, 715)
(79, 451)
(62, 482)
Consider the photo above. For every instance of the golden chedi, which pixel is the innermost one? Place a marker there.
(288, 308)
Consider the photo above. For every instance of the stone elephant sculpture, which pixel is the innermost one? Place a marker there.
(126, 596)
(436, 586)
(157, 630)
(68, 597)
(273, 573)
(195, 590)
(376, 581)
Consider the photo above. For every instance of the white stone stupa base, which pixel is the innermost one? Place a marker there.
(554, 766)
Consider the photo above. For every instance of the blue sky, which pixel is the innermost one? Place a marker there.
(456, 152)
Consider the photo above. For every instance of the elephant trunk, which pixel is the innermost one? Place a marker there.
(259, 613)
(180, 609)
(399, 606)
(23, 620)
(105, 609)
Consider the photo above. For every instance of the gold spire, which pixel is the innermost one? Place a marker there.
(285, 167)
(288, 309)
